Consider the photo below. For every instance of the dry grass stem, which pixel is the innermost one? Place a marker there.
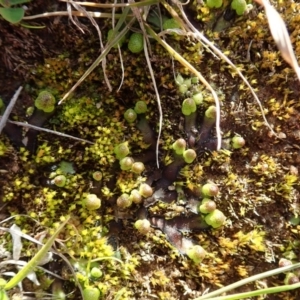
(9, 108)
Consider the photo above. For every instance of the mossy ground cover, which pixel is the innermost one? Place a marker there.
(258, 184)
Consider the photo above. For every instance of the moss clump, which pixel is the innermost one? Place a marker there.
(136, 43)
(45, 102)
(3, 149)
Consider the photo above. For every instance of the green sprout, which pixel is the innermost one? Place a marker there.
(240, 6)
(214, 3)
(196, 253)
(96, 272)
(135, 196)
(45, 102)
(126, 163)
(145, 190)
(189, 155)
(124, 201)
(97, 175)
(60, 180)
(136, 43)
(188, 106)
(207, 206)
(210, 189)
(138, 167)
(237, 142)
(2, 106)
(215, 219)
(121, 150)
(143, 226)
(170, 24)
(91, 202)
(130, 115)
(111, 35)
(140, 107)
(179, 146)
(91, 293)
(291, 278)
(198, 98)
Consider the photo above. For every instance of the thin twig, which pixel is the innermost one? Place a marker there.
(74, 13)
(9, 108)
(47, 130)
(106, 5)
(105, 51)
(157, 99)
(281, 36)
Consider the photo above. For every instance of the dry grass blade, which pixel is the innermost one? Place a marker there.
(83, 11)
(107, 5)
(158, 102)
(104, 52)
(280, 35)
(73, 13)
(9, 108)
(73, 20)
(47, 130)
